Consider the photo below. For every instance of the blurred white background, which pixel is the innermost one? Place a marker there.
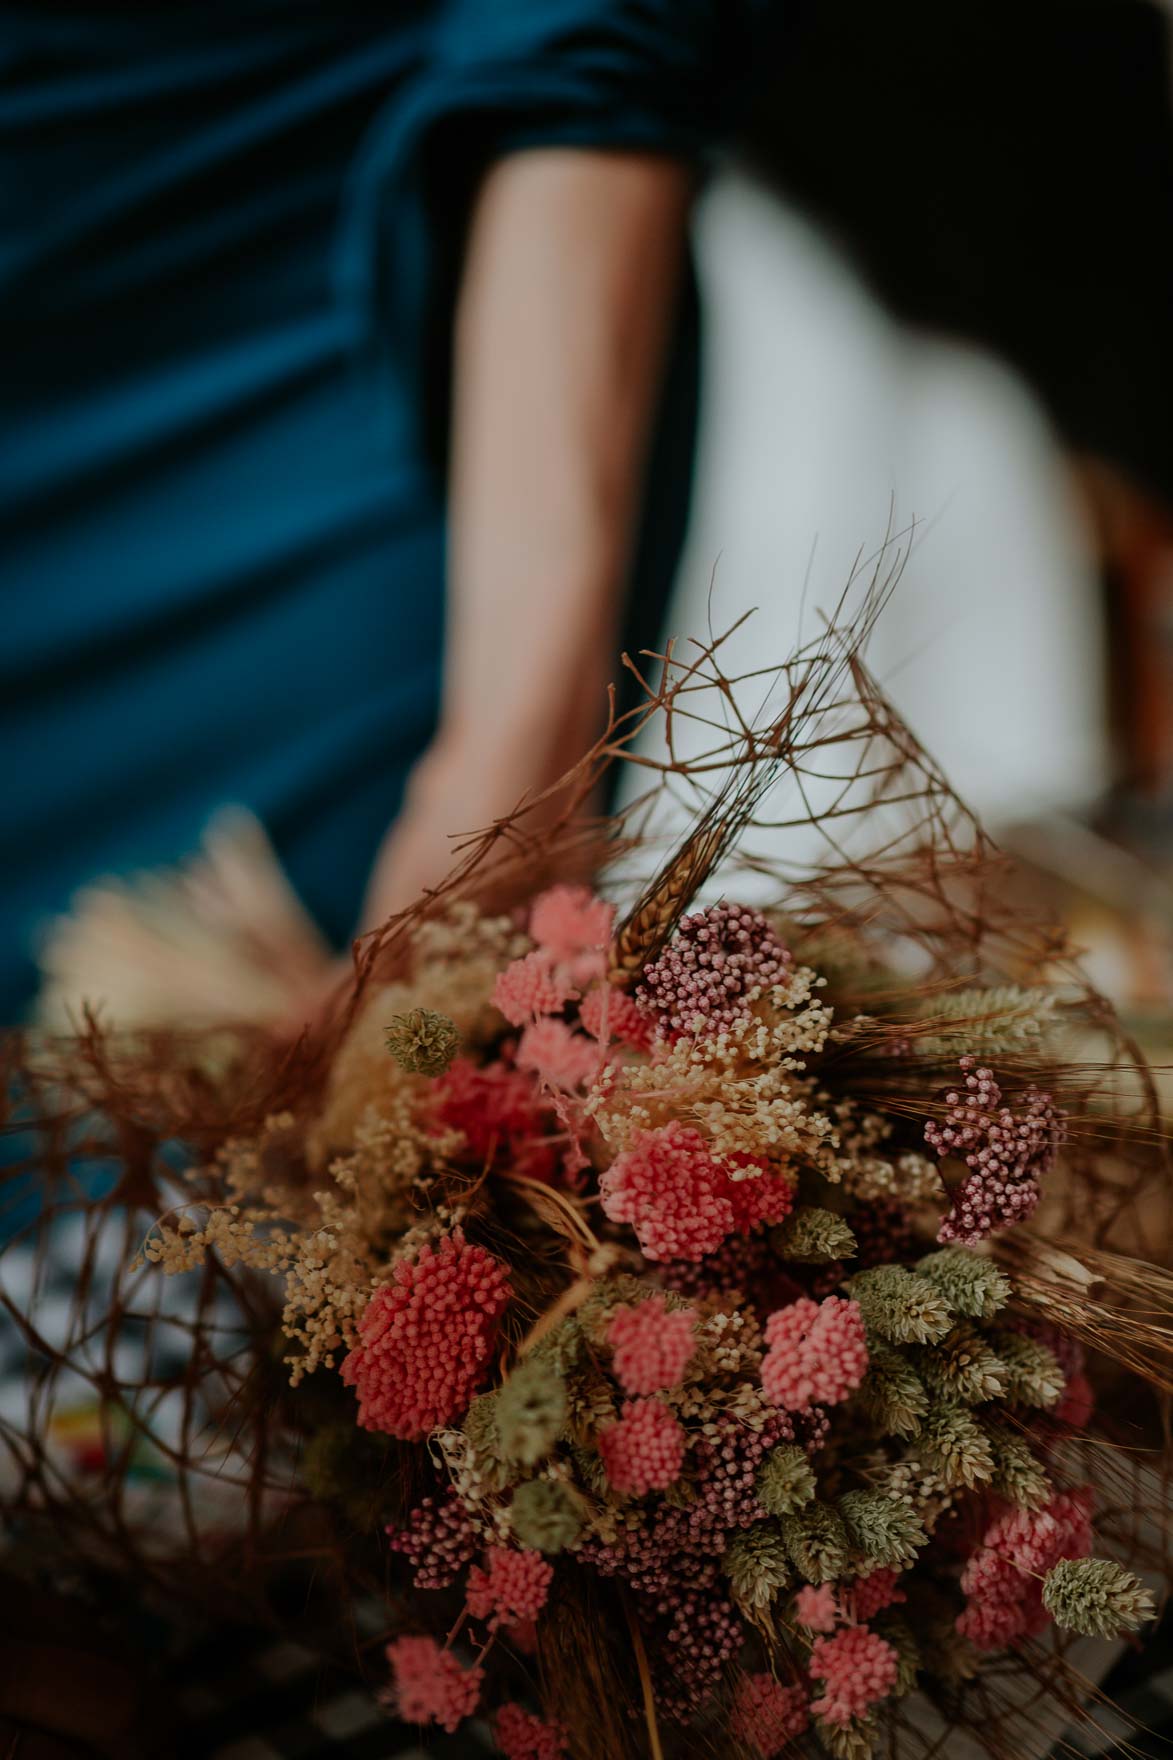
(818, 414)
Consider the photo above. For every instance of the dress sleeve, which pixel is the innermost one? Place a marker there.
(501, 76)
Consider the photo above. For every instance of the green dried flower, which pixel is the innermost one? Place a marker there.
(1018, 1477)
(786, 1479)
(962, 1368)
(480, 1427)
(817, 1542)
(892, 1393)
(757, 1565)
(531, 1410)
(562, 1347)
(898, 1633)
(590, 1471)
(953, 1443)
(848, 1741)
(1033, 1374)
(422, 1042)
(900, 1306)
(972, 1285)
(881, 1530)
(621, 1289)
(810, 1236)
(1000, 1019)
(1096, 1597)
(544, 1515)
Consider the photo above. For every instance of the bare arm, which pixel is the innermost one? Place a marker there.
(571, 270)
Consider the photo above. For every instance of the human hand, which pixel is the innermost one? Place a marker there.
(461, 786)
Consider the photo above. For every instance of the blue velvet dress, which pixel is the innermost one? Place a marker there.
(229, 243)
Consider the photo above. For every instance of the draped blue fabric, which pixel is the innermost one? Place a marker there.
(229, 240)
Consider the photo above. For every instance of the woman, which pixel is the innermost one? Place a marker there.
(311, 309)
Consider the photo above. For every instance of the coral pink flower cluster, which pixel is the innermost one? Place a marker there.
(718, 961)
(522, 1736)
(818, 1353)
(680, 1201)
(511, 1587)
(426, 1338)
(817, 1607)
(571, 927)
(1002, 1580)
(556, 1054)
(858, 1668)
(1008, 1155)
(608, 1013)
(531, 986)
(498, 1113)
(651, 1346)
(823, 1608)
(870, 1595)
(568, 922)
(430, 1686)
(644, 1449)
(766, 1715)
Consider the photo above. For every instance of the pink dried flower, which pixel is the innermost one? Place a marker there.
(1000, 1607)
(529, 987)
(497, 1110)
(651, 1345)
(1002, 1580)
(644, 1449)
(817, 1608)
(426, 1338)
(430, 1684)
(438, 1539)
(679, 1200)
(761, 1201)
(869, 1595)
(568, 920)
(818, 1353)
(767, 1715)
(522, 1736)
(1008, 1155)
(858, 1669)
(716, 964)
(663, 1545)
(512, 1588)
(604, 1010)
(1034, 1540)
(561, 1057)
(1077, 1405)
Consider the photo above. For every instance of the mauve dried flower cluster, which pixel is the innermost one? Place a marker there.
(1008, 1153)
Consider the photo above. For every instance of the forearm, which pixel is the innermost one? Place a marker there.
(571, 272)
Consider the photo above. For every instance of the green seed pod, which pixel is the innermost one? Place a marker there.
(422, 1042)
(543, 1515)
(531, 1409)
